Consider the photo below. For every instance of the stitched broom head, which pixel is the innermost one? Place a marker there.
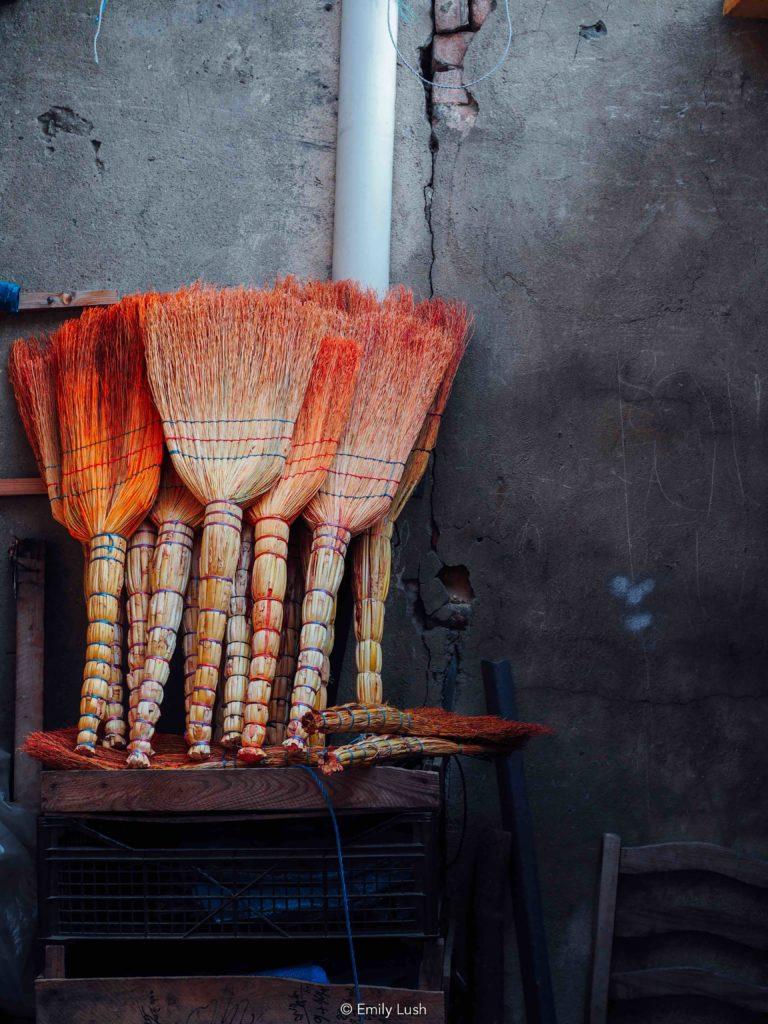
(321, 420)
(111, 437)
(30, 368)
(228, 369)
(174, 502)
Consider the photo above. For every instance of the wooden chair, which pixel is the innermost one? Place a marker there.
(608, 986)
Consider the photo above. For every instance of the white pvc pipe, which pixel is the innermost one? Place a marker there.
(365, 143)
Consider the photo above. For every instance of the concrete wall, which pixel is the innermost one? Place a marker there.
(598, 501)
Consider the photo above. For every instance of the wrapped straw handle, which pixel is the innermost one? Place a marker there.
(219, 552)
(238, 651)
(326, 568)
(104, 578)
(168, 581)
(114, 728)
(372, 566)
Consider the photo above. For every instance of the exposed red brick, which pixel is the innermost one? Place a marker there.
(451, 15)
(479, 11)
(450, 97)
(448, 51)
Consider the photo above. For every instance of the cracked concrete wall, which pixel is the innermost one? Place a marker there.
(595, 510)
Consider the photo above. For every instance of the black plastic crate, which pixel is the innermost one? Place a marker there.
(122, 878)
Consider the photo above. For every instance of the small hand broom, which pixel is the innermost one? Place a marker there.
(372, 551)
(228, 370)
(175, 513)
(280, 699)
(403, 364)
(189, 626)
(112, 443)
(321, 422)
(237, 661)
(138, 560)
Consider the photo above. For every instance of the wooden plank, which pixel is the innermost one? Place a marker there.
(606, 913)
(29, 573)
(18, 486)
(516, 819)
(491, 878)
(67, 300)
(676, 981)
(236, 789)
(746, 8)
(55, 961)
(223, 1000)
(431, 969)
(641, 921)
(639, 860)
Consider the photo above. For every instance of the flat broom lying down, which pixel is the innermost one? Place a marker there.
(390, 721)
(228, 370)
(112, 443)
(402, 366)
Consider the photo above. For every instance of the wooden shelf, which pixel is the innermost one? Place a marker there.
(273, 790)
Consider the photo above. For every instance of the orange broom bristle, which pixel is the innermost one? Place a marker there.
(175, 503)
(30, 368)
(111, 437)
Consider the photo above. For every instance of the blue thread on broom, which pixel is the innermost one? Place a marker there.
(342, 881)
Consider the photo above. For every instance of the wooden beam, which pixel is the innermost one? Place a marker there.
(28, 558)
(691, 981)
(244, 998)
(67, 300)
(278, 790)
(746, 8)
(606, 916)
(19, 486)
(639, 860)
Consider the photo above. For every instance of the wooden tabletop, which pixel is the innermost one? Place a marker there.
(290, 789)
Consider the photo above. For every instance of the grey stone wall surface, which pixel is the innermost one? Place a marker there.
(597, 507)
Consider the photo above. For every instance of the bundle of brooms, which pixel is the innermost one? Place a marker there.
(228, 370)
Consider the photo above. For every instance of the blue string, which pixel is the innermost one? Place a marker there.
(99, 19)
(342, 880)
(9, 297)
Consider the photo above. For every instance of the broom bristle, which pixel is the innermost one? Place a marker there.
(111, 437)
(30, 368)
(403, 362)
(174, 502)
(228, 370)
(318, 428)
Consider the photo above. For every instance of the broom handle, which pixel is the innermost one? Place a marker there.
(114, 728)
(238, 653)
(169, 576)
(268, 587)
(139, 558)
(285, 669)
(104, 581)
(371, 567)
(326, 568)
(189, 626)
(219, 551)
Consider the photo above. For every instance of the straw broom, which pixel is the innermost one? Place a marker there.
(138, 560)
(175, 513)
(111, 442)
(114, 726)
(317, 739)
(403, 363)
(280, 699)
(31, 372)
(387, 720)
(189, 626)
(372, 552)
(319, 426)
(238, 652)
(228, 371)
(373, 751)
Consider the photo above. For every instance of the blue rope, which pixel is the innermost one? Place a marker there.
(342, 880)
(9, 297)
(99, 19)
